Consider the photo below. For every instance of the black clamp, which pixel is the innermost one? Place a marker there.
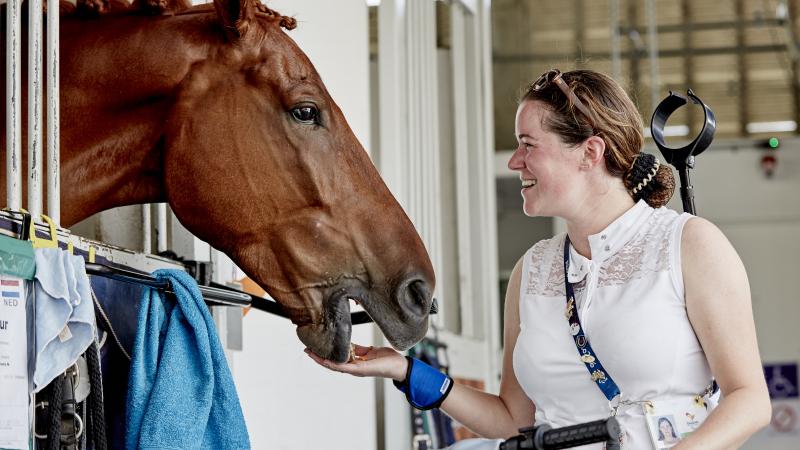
(683, 158)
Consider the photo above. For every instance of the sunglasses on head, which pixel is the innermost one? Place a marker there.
(555, 76)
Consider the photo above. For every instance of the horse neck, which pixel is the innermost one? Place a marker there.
(118, 80)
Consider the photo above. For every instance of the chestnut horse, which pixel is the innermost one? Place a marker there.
(217, 111)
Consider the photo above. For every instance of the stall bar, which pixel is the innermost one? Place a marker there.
(35, 117)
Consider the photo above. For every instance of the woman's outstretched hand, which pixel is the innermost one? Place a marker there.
(369, 362)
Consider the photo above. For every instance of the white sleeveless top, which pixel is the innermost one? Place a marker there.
(630, 299)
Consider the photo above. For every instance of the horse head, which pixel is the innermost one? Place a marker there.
(260, 162)
(219, 112)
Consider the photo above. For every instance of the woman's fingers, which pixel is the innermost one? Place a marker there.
(353, 368)
(316, 358)
(369, 361)
(362, 351)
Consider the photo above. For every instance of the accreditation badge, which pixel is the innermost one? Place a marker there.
(14, 399)
(670, 421)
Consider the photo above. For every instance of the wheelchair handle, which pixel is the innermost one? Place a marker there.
(544, 437)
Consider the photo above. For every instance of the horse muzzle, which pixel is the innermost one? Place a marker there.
(331, 338)
(402, 316)
(404, 319)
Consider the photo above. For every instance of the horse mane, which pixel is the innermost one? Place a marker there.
(290, 23)
(171, 7)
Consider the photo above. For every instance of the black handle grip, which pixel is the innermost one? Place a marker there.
(577, 435)
(545, 438)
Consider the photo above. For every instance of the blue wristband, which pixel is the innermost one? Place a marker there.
(425, 387)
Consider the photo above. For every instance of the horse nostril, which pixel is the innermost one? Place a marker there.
(415, 298)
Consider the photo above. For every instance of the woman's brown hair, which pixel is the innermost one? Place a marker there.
(614, 118)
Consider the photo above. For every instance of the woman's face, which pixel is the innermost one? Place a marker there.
(666, 429)
(546, 166)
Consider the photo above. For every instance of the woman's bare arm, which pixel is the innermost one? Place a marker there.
(719, 307)
(489, 415)
(497, 416)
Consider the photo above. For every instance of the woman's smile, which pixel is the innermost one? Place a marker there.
(529, 183)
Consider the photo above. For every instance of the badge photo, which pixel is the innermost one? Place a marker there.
(670, 421)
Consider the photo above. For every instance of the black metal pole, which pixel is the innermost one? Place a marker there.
(687, 191)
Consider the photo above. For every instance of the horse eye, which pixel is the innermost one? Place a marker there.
(306, 114)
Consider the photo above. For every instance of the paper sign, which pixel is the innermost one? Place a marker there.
(14, 421)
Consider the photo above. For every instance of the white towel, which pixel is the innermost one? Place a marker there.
(65, 324)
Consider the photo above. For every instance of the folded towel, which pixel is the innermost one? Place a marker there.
(64, 312)
(180, 391)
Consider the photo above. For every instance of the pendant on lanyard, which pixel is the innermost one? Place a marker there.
(596, 370)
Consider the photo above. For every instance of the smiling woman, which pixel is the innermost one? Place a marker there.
(622, 314)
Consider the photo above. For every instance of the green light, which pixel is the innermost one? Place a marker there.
(774, 142)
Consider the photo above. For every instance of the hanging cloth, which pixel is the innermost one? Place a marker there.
(64, 312)
(180, 391)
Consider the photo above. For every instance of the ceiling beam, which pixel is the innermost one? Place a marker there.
(668, 53)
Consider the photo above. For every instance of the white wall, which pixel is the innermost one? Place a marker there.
(289, 402)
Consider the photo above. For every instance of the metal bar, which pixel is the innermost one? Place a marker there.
(211, 294)
(161, 230)
(707, 26)
(433, 198)
(744, 117)
(785, 14)
(147, 225)
(412, 34)
(616, 60)
(791, 42)
(35, 108)
(633, 54)
(652, 51)
(13, 106)
(459, 311)
(578, 31)
(53, 114)
(688, 63)
(470, 6)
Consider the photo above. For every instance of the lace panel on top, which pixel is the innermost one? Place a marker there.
(546, 268)
(645, 254)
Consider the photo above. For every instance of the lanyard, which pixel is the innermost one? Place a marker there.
(598, 373)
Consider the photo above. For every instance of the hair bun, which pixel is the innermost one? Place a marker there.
(649, 180)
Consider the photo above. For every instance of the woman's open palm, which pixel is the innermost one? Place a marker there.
(369, 362)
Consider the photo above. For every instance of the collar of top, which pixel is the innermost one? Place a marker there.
(609, 241)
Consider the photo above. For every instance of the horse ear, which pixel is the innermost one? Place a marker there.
(235, 16)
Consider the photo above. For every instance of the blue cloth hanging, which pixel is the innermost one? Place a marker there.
(180, 391)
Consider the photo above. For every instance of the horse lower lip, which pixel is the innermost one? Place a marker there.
(332, 344)
(330, 340)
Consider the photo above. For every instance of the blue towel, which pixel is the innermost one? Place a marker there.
(180, 391)
(65, 324)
